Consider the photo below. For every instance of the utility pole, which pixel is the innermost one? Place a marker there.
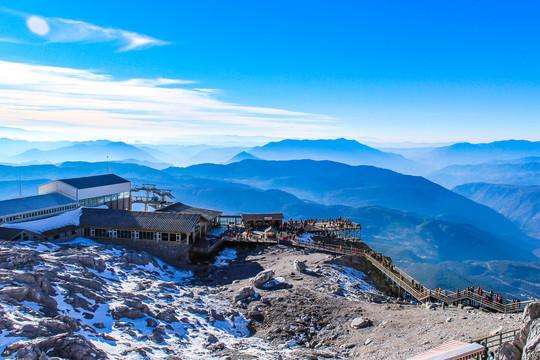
(108, 164)
(20, 186)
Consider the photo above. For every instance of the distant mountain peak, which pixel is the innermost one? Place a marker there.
(341, 150)
(241, 156)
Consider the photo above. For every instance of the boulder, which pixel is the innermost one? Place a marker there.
(167, 315)
(65, 346)
(261, 278)
(36, 279)
(361, 323)
(87, 261)
(30, 293)
(244, 293)
(138, 258)
(19, 259)
(299, 266)
(131, 309)
(508, 352)
(532, 311)
(531, 350)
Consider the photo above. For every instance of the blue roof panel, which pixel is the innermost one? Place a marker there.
(94, 181)
(33, 203)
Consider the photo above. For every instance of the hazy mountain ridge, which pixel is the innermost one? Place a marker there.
(466, 153)
(524, 171)
(521, 204)
(338, 150)
(86, 151)
(333, 183)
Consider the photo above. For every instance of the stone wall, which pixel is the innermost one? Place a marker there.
(170, 252)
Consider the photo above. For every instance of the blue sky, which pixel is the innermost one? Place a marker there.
(168, 71)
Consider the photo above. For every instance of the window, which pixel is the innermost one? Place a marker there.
(100, 232)
(124, 234)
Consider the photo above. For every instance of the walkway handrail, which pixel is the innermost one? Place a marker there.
(405, 281)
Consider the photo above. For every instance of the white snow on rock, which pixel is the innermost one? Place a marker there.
(306, 238)
(178, 317)
(225, 257)
(353, 283)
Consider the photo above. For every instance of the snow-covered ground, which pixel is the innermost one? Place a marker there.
(225, 257)
(352, 283)
(178, 317)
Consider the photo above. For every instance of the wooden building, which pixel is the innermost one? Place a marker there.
(138, 225)
(256, 221)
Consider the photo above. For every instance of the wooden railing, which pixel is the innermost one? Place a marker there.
(400, 277)
(493, 342)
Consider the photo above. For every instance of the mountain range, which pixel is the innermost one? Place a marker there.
(86, 151)
(467, 153)
(412, 233)
(332, 183)
(523, 171)
(417, 161)
(521, 204)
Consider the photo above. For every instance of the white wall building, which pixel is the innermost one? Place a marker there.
(111, 190)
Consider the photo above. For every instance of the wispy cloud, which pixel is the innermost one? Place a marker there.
(82, 104)
(66, 30)
(60, 30)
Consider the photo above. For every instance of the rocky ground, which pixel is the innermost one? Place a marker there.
(314, 314)
(83, 300)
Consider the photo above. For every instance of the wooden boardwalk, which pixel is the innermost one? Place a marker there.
(398, 276)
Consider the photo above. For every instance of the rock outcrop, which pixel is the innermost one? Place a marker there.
(526, 343)
(361, 323)
(299, 266)
(263, 277)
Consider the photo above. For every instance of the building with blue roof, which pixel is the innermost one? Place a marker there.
(62, 195)
(35, 207)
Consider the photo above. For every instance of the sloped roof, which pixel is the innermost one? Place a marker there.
(139, 220)
(94, 181)
(181, 208)
(33, 203)
(11, 233)
(452, 349)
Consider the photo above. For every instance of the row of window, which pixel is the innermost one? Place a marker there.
(37, 214)
(136, 235)
(100, 200)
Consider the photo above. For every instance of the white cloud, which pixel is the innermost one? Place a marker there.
(80, 104)
(59, 30)
(67, 30)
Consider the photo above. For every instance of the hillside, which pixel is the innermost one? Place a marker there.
(85, 151)
(333, 183)
(521, 204)
(339, 150)
(525, 171)
(467, 153)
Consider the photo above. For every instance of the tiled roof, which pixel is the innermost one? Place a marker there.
(33, 203)
(94, 181)
(139, 220)
(181, 208)
(10, 233)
